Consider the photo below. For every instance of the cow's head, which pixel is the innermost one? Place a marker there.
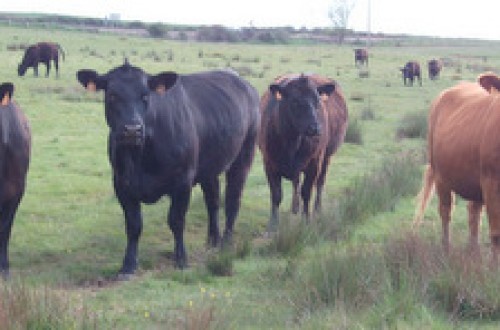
(21, 69)
(126, 97)
(6, 92)
(490, 81)
(300, 102)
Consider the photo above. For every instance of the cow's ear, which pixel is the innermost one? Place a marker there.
(162, 81)
(6, 92)
(490, 82)
(277, 91)
(326, 90)
(91, 80)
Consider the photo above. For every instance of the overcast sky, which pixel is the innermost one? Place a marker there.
(442, 18)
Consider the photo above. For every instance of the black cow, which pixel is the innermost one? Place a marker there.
(411, 71)
(304, 121)
(434, 67)
(360, 56)
(42, 52)
(169, 132)
(15, 148)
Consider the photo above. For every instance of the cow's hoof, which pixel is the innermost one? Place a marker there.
(124, 276)
(4, 274)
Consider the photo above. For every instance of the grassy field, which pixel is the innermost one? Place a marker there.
(68, 238)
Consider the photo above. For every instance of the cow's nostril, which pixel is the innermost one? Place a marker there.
(132, 134)
(313, 130)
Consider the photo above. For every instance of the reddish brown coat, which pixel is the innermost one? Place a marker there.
(287, 152)
(464, 155)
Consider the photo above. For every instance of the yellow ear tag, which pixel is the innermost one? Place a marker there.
(5, 99)
(160, 89)
(324, 97)
(278, 96)
(91, 86)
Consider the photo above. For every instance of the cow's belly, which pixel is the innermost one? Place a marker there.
(460, 177)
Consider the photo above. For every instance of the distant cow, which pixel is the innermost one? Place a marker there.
(434, 67)
(360, 56)
(464, 156)
(169, 132)
(411, 71)
(15, 146)
(42, 52)
(303, 122)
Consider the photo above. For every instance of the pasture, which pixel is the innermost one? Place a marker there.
(68, 237)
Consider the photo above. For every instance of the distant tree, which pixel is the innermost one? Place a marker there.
(157, 30)
(338, 14)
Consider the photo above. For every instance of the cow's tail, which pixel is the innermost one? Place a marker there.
(61, 50)
(424, 195)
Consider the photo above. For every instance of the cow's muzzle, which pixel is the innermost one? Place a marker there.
(313, 130)
(132, 135)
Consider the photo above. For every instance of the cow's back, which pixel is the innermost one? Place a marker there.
(224, 110)
(457, 123)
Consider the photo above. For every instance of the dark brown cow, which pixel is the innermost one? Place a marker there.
(15, 145)
(411, 71)
(464, 156)
(360, 56)
(42, 52)
(434, 67)
(303, 122)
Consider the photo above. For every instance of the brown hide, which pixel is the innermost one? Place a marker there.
(464, 155)
(360, 56)
(333, 117)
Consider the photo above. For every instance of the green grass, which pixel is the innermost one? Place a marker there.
(69, 234)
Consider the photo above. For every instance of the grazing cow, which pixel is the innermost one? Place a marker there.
(303, 122)
(169, 132)
(464, 156)
(42, 52)
(434, 67)
(360, 56)
(15, 146)
(410, 71)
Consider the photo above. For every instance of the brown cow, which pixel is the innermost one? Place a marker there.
(42, 52)
(410, 71)
(434, 67)
(360, 56)
(464, 156)
(15, 146)
(303, 122)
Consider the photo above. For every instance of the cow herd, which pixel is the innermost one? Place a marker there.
(169, 132)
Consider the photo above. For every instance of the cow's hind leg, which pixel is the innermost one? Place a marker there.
(47, 65)
(211, 193)
(474, 209)
(176, 222)
(445, 208)
(7, 213)
(296, 195)
(320, 183)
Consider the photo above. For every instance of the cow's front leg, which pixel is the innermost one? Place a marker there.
(176, 222)
(133, 227)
